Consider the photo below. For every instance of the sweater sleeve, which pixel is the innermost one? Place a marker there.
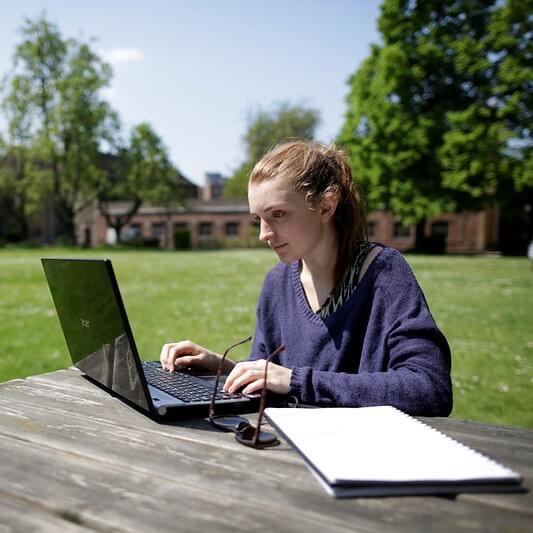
(259, 350)
(414, 374)
(258, 343)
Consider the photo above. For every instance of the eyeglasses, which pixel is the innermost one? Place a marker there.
(245, 432)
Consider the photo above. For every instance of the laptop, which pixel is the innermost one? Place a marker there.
(101, 345)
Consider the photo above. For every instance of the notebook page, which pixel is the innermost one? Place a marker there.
(380, 445)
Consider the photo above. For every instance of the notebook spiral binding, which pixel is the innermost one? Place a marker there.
(458, 443)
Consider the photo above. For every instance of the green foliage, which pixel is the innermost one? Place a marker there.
(151, 174)
(266, 128)
(483, 305)
(439, 116)
(237, 184)
(142, 242)
(22, 189)
(84, 123)
(58, 127)
(139, 173)
(57, 123)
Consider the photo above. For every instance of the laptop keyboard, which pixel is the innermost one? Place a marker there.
(182, 386)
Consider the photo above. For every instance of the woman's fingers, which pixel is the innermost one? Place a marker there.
(187, 361)
(250, 375)
(255, 386)
(179, 356)
(174, 351)
(242, 374)
(163, 356)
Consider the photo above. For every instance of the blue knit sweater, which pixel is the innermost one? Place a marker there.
(382, 347)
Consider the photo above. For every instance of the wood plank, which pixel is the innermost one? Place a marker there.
(481, 432)
(512, 447)
(189, 460)
(20, 515)
(103, 495)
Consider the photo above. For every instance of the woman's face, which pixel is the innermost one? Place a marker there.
(288, 225)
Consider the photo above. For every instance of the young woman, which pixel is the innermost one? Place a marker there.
(355, 323)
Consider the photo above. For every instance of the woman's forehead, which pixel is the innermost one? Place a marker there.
(269, 192)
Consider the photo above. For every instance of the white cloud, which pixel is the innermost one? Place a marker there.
(114, 56)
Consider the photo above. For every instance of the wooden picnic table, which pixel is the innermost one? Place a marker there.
(74, 458)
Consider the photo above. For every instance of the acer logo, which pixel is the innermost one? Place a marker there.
(85, 323)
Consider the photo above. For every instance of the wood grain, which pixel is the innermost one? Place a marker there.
(72, 453)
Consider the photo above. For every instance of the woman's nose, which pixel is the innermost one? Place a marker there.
(265, 233)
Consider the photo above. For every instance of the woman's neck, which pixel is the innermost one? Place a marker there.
(317, 272)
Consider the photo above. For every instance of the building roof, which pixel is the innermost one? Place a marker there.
(190, 207)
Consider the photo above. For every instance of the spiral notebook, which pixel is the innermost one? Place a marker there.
(381, 451)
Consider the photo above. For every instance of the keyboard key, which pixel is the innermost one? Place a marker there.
(182, 386)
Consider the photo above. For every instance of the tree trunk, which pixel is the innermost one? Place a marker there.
(420, 237)
(117, 222)
(19, 214)
(24, 227)
(20, 202)
(65, 216)
(117, 226)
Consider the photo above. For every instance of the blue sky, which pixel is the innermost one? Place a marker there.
(194, 70)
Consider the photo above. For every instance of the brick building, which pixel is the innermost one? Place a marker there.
(216, 223)
(460, 233)
(227, 223)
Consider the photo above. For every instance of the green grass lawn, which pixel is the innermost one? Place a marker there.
(484, 305)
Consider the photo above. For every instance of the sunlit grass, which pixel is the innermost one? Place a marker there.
(484, 305)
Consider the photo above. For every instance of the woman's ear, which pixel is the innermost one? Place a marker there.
(328, 205)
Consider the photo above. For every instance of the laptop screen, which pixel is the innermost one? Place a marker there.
(95, 326)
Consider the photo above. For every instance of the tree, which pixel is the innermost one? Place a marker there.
(139, 173)
(29, 97)
(18, 188)
(84, 124)
(266, 129)
(439, 115)
(21, 191)
(54, 98)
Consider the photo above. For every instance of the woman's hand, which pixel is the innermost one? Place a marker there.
(189, 354)
(250, 375)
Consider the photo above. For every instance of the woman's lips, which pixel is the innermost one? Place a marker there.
(279, 246)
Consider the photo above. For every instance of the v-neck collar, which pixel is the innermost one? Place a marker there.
(301, 298)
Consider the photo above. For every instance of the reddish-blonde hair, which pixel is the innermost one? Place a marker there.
(315, 170)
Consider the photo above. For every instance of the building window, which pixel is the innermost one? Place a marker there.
(439, 229)
(401, 231)
(371, 229)
(205, 229)
(158, 229)
(232, 229)
(134, 231)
